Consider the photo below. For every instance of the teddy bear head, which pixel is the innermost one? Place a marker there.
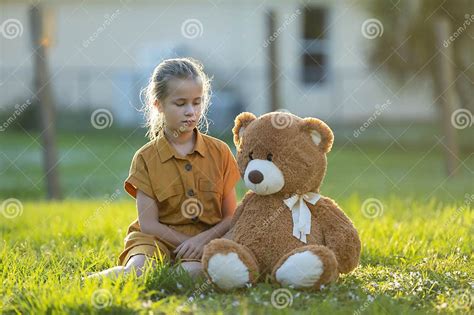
(280, 153)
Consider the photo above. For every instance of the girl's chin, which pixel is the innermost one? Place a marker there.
(185, 128)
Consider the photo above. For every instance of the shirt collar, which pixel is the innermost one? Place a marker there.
(167, 151)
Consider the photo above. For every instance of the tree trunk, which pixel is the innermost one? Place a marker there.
(44, 93)
(273, 63)
(446, 94)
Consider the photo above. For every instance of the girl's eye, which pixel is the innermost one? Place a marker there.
(197, 104)
(179, 104)
(270, 157)
(251, 155)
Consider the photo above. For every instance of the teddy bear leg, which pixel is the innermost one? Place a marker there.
(229, 265)
(306, 267)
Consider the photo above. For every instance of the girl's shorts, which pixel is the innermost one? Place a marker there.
(138, 243)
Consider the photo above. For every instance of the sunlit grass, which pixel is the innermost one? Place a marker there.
(416, 257)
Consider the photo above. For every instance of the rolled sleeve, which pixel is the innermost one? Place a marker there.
(138, 178)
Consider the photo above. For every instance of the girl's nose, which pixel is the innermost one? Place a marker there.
(189, 110)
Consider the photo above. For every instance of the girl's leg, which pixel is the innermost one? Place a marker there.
(136, 262)
(194, 268)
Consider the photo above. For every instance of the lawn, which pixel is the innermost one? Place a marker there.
(417, 242)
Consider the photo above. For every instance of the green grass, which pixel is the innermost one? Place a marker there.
(416, 258)
(93, 164)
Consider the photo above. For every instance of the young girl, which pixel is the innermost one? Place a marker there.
(183, 181)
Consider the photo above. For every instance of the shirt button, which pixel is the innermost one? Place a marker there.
(190, 192)
(188, 167)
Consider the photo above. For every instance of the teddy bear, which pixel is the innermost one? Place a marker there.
(283, 227)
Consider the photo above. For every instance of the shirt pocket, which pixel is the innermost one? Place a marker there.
(212, 200)
(169, 200)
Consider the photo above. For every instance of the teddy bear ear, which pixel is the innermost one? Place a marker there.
(241, 122)
(321, 134)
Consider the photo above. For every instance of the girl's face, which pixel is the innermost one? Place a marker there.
(182, 107)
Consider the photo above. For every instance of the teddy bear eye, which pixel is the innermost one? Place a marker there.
(270, 157)
(251, 155)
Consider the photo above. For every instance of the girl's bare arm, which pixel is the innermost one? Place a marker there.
(149, 224)
(194, 246)
(229, 203)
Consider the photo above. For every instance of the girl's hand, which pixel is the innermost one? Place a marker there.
(193, 247)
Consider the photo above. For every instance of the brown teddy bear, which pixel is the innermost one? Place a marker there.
(283, 226)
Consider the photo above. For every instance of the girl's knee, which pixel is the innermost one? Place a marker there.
(194, 268)
(137, 263)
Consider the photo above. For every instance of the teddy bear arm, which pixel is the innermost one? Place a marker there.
(341, 237)
(238, 212)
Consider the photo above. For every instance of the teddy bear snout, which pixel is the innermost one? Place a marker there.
(263, 177)
(255, 177)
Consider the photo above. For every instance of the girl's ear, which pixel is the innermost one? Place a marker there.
(241, 122)
(320, 133)
(158, 106)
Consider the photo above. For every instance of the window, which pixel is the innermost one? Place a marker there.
(315, 43)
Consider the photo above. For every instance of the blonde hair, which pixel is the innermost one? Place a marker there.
(157, 90)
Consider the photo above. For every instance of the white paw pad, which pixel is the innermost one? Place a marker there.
(227, 271)
(300, 270)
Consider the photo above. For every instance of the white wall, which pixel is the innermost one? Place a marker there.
(137, 35)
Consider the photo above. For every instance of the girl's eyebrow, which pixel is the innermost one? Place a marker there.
(184, 98)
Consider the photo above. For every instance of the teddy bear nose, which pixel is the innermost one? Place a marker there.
(255, 177)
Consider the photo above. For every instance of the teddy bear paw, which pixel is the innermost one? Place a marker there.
(300, 270)
(227, 271)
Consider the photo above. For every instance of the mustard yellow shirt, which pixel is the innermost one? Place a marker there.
(190, 189)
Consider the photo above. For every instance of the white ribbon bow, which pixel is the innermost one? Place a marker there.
(301, 213)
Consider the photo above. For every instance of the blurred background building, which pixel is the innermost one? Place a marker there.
(102, 53)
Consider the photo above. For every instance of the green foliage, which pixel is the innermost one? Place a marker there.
(408, 44)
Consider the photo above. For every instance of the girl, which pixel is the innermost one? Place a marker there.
(183, 181)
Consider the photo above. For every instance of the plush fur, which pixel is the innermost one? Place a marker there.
(262, 227)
